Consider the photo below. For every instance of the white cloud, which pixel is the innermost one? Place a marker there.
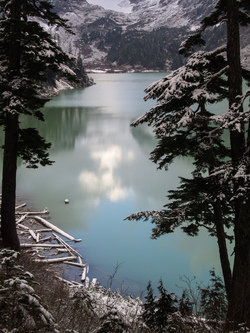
(90, 180)
(104, 183)
(117, 194)
(110, 158)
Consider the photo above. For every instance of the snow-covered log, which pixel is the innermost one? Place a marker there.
(63, 280)
(84, 273)
(45, 211)
(62, 250)
(19, 225)
(45, 239)
(27, 245)
(23, 217)
(44, 230)
(70, 248)
(33, 235)
(55, 260)
(20, 206)
(75, 264)
(69, 283)
(56, 229)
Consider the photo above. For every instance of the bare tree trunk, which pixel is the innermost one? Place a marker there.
(8, 224)
(218, 217)
(239, 299)
(8, 221)
(223, 252)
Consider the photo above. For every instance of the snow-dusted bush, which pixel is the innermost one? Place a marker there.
(64, 306)
(167, 313)
(115, 312)
(21, 310)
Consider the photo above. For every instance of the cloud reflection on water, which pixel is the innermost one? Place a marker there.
(102, 166)
(103, 182)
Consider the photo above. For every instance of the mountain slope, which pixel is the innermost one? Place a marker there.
(146, 39)
(171, 13)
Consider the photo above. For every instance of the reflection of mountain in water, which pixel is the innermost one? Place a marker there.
(61, 127)
(144, 136)
(103, 168)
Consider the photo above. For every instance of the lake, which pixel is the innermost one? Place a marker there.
(102, 166)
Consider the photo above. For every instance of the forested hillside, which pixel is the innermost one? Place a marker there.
(148, 38)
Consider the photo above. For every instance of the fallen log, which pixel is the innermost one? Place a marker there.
(69, 283)
(40, 256)
(67, 247)
(56, 229)
(27, 245)
(63, 280)
(84, 273)
(23, 217)
(20, 206)
(55, 260)
(76, 284)
(44, 230)
(33, 235)
(74, 264)
(45, 211)
(63, 250)
(22, 226)
(70, 248)
(45, 239)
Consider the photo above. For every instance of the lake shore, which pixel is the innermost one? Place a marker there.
(46, 243)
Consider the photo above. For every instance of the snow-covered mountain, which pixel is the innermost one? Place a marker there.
(171, 13)
(143, 34)
(118, 5)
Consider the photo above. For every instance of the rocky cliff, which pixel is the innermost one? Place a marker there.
(147, 38)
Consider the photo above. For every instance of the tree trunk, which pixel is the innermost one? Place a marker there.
(8, 223)
(239, 299)
(218, 217)
(8, 218)
(223, 252)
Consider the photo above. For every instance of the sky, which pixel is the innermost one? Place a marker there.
(112, 4)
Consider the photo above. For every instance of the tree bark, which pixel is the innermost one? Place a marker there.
(218, 217)
(8, 223)
(223, 252)
(239, 298)
(8, 218)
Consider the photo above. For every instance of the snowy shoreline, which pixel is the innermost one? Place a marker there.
(42, 249)
(120, 71)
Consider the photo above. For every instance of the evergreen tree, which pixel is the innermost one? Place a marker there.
(21, 309)
(213, 299)
(165, 307)
(148, 314)
(157, 310)
(185, 306)
(27, 53)
(217, 197)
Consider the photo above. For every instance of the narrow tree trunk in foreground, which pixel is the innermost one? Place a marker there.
(218, 216)
(8, 219)
(223, 252)
(239, 299)
(8, 223)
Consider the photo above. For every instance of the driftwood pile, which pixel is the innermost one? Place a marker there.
(44, 240)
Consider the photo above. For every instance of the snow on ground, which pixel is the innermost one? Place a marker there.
(117, 5)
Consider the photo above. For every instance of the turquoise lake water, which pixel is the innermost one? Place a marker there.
(103, 168)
